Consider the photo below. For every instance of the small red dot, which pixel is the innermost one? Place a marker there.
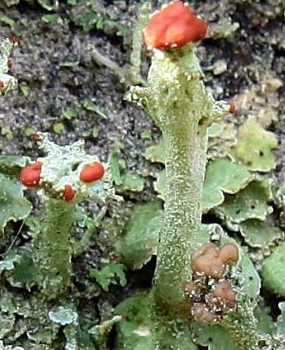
(68, 193)
(15, 40)
(233, 108)
(36, 137)
(30, 175)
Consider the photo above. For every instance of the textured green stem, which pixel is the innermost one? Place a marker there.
(137, 43)
(81, 246)
(53, 247)
(178, 102)
(241, 326)
(185, 151)
(182, 108)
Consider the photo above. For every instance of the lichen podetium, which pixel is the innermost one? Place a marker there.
(65, 176)
(53, 247)
(7, 82)
(177, 100)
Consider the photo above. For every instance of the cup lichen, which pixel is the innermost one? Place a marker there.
(177, 100)
(183, 109)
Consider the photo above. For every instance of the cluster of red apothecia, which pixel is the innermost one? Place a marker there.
(30, 176)
(209, 291)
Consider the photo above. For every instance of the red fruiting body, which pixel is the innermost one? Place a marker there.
(92, 172)
(174, 26)
(30, 175)
(233, 108)
(2, 85)
(9, 64)
(14, 39)
(68, 193)
(36, 137)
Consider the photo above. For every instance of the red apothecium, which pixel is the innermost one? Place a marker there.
(174, 26)
(92, 172)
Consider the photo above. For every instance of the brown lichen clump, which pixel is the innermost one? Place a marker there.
(229, 254)
(202, 312)
(190, 288)
(211, 261)
(206, 261)
(222, 296)
(211, 293)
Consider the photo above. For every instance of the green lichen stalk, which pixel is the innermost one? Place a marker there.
(241, 325)
(7, 82)
(182, 207)
(59, 180)
(182, 108)
(53, 247)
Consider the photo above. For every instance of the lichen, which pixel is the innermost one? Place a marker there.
(7, 81)
(178, 102)
(53, 247)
